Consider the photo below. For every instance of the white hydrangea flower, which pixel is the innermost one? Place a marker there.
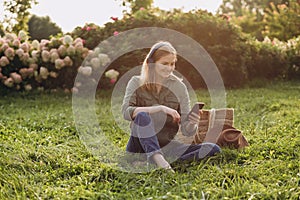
(28, 87)
(112, 74)
(104, 59)
(22, 35)
(87, 70)
(68, 40)
(10, 36)
(35, 44)
(95, 62)
(44, 72)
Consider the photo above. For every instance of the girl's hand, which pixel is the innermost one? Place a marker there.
(170, 111)
(194, 118)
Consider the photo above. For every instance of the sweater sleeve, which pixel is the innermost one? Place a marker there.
(129, 100)
(185, 108)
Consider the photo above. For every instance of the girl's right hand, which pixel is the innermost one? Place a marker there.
(170, 111)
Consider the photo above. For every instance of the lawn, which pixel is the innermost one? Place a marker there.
(42, 156)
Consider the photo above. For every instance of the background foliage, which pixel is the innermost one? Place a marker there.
(248, 39)
(17, 14)
(42, 28)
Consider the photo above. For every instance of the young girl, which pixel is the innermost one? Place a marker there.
(156, 103)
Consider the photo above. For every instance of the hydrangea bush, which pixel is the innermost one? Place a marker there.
(49, 64)
(233, 51)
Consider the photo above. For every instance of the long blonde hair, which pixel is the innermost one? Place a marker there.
(157, 51)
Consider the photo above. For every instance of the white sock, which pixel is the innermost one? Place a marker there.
(160, 161)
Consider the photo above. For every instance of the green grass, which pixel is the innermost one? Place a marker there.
(42, 156)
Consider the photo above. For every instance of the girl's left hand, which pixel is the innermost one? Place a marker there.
(194, 118)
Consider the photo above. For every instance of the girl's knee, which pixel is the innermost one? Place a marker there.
(142, 119)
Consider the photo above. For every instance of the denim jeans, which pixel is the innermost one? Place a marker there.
(143, 139)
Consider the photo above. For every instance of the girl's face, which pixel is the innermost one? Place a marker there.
(165, 66)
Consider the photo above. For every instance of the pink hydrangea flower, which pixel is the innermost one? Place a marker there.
(16, 77)
(9, 82)
(68, 61)
(30, 72)
(9, 53)
(142, 8)
(71, 50)
(20, 52)
(26, 72)
(62, 50)
(79, 48)
(16, 43)
(23, 73)
(4, 61)
(25, 47)
(4, 47)
(35, 54)
(45, 56)
(116, 33)
(53, 74)
(25, 58)
(77, 40)
(59, 63)
(43, 44)
(53, 55)
(112, 81)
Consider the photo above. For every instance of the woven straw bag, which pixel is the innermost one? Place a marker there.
(213, 118)
(208, 119)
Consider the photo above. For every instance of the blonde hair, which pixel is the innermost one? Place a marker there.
(157, 51)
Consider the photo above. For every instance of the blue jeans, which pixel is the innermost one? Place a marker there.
(143, 139)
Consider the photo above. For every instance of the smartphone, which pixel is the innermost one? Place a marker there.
(197, 106)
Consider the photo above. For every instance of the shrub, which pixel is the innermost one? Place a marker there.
(293, 55)
(49, 64)
(268, 59)
(223, 41)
